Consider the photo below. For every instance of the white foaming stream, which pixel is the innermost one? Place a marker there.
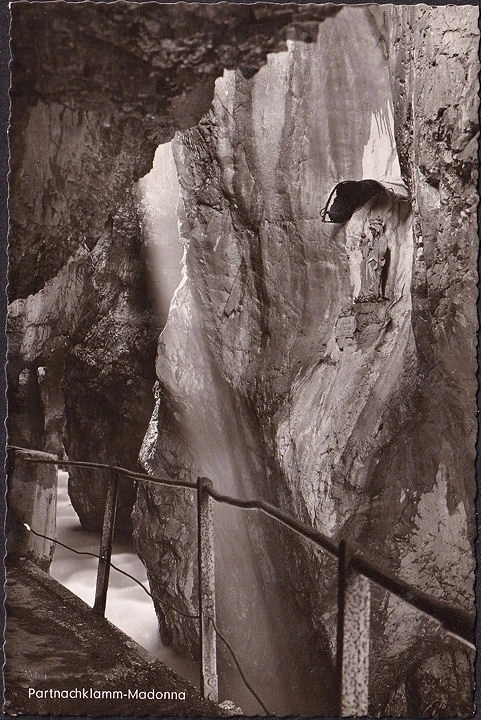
(128, 607)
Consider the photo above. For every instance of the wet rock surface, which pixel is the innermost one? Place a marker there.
(434, 72)
(279, 373)
(94, 94)
(326, 402)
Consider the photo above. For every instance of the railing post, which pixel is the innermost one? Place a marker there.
(353, 626)
(105, 553)
(32, 501)
(206, 559)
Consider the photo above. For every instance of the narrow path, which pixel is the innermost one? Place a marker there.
(55, 643)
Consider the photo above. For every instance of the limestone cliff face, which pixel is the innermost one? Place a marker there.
(434, 70)
(276, 374)
(94, 93)
(108, 375)
(95, 90)
(278, 379)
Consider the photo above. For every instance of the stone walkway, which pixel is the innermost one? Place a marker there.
(55, 643)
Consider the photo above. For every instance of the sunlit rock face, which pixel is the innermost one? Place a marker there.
(96, 89)
(280, 377)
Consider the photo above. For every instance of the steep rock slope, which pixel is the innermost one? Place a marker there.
(108, 374)
(279, 378)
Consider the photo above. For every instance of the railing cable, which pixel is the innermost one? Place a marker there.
(42, 458)
(165, 610)
(282, 517)
(237, 664)
(454, 620)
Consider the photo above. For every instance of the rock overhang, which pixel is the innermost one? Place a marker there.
(348, 196)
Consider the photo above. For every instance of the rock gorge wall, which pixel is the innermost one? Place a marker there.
(435, 86)
(358, 417)
(95, 89)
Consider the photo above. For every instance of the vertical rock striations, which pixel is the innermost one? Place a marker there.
(280, 377)
(108, 375)
(95, 89)
(434, 70)
(289, 367)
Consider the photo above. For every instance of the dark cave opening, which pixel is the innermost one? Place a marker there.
(350, 195)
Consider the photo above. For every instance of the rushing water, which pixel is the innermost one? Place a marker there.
(128, 606)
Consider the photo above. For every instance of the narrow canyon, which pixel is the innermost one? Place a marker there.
(179, 304)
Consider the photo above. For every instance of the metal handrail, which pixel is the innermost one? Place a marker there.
(456, 621)
(37, 456)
